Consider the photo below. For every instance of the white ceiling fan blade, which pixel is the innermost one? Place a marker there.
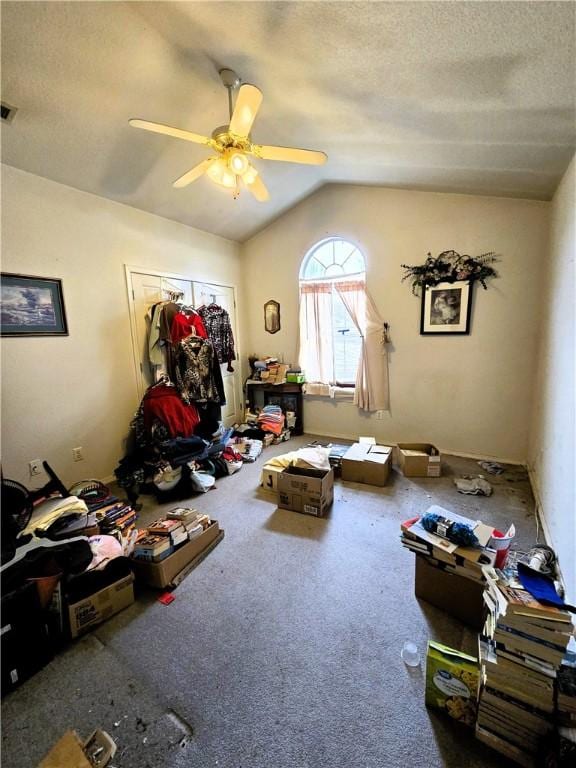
(194, 173)
(257, 187)
(290, 154)
(167, 130)
(245, 110)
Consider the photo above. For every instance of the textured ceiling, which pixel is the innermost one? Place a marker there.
(473, 97)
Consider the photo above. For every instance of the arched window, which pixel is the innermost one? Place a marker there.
(330, 339)
(332, 259)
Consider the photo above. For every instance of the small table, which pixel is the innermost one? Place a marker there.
(287, 396)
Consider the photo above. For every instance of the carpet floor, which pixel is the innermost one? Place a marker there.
(282, 648)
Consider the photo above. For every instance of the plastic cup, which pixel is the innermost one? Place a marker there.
(410, 654)
(501, 544)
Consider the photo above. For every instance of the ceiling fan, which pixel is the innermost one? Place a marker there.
(233, 144)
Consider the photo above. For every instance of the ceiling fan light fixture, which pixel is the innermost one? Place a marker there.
(221, 174)
(238, 163)
(250, 174)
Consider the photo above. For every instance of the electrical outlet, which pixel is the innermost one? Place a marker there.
(380, 415)
(78, 454)
(35, 467)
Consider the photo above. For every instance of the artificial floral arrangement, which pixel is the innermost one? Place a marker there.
(448, 267)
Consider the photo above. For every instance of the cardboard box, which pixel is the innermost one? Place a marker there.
(164, 573)
(310, 491)
(367, 463)
(413, 462)
(101, 605)
(456, 595)
(452, 682)
(269, 477)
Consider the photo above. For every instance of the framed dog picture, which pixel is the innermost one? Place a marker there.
(31, 306)
(446, 308)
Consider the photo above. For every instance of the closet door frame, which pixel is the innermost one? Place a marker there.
(129, 270)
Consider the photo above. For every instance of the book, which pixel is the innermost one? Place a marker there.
(504, 747)
(525, 714)
(164, 527)
(554, 635)
(529, 661)
(178, 535)
(151, 545)
(536, 648)
(523, 692)
(184, 514)
(521, 602)
(521, 737)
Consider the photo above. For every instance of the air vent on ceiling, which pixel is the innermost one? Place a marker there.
(7, 112)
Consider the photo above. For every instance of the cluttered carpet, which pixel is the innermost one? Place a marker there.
(282, 648)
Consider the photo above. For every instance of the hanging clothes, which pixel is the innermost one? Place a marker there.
(187, 324)
(198, 375)
(217, 323)
(155, 353)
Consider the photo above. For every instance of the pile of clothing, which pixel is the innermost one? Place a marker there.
(271, 419)
(248, 448)
(61, 518)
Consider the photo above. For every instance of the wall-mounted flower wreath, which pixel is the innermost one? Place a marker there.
(448, 267)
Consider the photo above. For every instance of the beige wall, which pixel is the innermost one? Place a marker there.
(551, 455)
(467, 394)
(80, 390)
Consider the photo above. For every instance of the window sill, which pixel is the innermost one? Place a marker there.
(329, 392)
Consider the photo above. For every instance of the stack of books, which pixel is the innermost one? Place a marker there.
(463, 561)
(115, 517)
(151, 547)
(193, 521)
(164, 536)
(171, 528)
(566, 701)
(521, 651)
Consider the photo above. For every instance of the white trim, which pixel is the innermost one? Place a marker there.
(539, 511)
(176, 276)
(129, 271)
(484, 457)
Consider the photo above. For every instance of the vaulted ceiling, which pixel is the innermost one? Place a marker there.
(471, 97)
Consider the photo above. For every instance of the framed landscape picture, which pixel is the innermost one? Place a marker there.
(446, 308)
(31, 306)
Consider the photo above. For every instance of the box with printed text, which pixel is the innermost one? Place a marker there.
(306, 490)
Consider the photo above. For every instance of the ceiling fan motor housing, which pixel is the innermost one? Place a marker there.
(226, 140)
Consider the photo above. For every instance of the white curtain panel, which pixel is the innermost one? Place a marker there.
(316, 347)
(371, 390)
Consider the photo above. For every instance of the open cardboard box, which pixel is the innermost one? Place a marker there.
(167, 571)
(419, 460)
(269, 478)
(306, 490)
(98, 607)
(367, 463)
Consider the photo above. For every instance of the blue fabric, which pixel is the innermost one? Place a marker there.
(541, 587)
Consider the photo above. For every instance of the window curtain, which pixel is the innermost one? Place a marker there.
(371, 391)
(316, 347)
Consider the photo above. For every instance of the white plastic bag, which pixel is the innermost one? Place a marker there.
(201, 481)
